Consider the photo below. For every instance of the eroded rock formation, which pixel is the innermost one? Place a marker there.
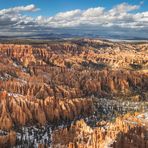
(74, 69)
(19, 110)
(57, 82)
(8, 140)
(126, 131)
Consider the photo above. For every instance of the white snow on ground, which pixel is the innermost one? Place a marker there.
(15, 95)
(143, 116)
(3, 132)
(2, 78)
(34, 135)
(146, 116)
(14, 64)
(5, 76)
(21, 82)
(131, 122)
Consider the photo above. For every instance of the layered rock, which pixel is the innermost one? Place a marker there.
(74, 69)
(18, 110)
(127, 131)
(116, 55)
(8, 140)
(67, 84)
(54, 83)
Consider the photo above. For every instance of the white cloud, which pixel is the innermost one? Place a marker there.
(68, 14)
(124, 7)
(120, 17)
(31, 8)
(93, 12)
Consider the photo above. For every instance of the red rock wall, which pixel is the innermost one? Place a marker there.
(126, 132)
(20, 110)
(8, 140)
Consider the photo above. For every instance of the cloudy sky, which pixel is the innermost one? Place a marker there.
(98, 17)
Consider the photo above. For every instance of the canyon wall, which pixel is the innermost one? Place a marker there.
(72, 70)
(20, 110)
(57, 82)
(8, 140)
(126, 131)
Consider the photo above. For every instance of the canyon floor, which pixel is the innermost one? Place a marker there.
(78, 93)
